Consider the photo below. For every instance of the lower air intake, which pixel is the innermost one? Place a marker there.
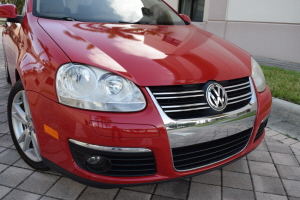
(123, 164)
(199, 155)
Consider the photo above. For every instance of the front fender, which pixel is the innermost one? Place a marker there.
(39, 59)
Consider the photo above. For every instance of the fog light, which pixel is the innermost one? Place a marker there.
(98, 163)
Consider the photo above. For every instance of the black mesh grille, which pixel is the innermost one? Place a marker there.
(123, 164)
(261, 129)
(189, 101)
(195, 156)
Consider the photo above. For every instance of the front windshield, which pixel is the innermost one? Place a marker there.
(154, 12)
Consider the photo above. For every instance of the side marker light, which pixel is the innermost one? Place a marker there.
(51, 131)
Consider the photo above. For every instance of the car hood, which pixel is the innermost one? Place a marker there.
(150, 55)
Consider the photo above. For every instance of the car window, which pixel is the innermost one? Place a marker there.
(20, 5)
(109, 11)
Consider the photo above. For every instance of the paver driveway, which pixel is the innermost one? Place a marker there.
(271, 172)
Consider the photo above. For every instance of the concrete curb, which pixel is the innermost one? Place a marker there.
(289, 111)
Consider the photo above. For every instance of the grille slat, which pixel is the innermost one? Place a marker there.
(132, 165)
(191, 109)
(179, 97)
(189, 101)
(123, 164)
(233, 86)
(198, 155)
(185, 105)
(238, 97)
(236, 89)
(171, 93)
(239, 100)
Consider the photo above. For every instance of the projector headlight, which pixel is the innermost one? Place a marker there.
(258, 76)
(93, 88)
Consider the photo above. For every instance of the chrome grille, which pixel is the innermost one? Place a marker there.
(239, 93)
(189, 101)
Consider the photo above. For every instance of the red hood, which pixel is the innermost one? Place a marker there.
(151, 55)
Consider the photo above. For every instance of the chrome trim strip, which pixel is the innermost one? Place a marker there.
(185, 132)
(233, 86)
(239, 100)
(233, 98)
(182, 110)
(110, 149)
(238, 89)
(185, 105)
(186, 92)
(199, 95)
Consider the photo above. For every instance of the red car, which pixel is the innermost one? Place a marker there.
(114, 93)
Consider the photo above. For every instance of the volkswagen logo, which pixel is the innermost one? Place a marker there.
(216, 97)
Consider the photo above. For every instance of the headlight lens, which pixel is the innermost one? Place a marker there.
(92, 88)
(258, 76)
(76, 80)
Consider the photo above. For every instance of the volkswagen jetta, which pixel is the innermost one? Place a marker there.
(114, 93)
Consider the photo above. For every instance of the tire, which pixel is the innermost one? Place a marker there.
(8, 80)
(22, 128)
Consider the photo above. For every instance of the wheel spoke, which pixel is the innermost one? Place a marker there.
(35, 146)
(17, 117)
(23, 135)
(26, 142)
(26, 106)
(19, 113)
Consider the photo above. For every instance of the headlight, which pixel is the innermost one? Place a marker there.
(92, 88)
(258, 76)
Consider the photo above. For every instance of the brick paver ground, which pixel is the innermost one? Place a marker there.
(271, 172)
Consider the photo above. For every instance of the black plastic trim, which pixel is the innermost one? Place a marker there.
(18, 19)
(261, 129)
(204, 154)
(122, 164)
(96, 184)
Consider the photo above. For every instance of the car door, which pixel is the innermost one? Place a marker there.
(11, 39)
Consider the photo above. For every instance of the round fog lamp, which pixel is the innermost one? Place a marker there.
(98, 163)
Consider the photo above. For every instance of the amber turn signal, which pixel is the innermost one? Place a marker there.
(51, 131)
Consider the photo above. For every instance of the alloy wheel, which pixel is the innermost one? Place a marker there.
(23, 127)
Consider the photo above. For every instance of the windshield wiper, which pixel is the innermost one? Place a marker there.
(69, 19)
(60, 18)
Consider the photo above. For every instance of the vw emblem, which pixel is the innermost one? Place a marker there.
(216, 97)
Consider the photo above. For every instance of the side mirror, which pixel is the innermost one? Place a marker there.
(9, 11)
(186, 18)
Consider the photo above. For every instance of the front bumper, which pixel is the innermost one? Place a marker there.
(92, 128)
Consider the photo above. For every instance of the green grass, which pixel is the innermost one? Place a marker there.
(251, 114)
(287, 135)
(284, 84)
